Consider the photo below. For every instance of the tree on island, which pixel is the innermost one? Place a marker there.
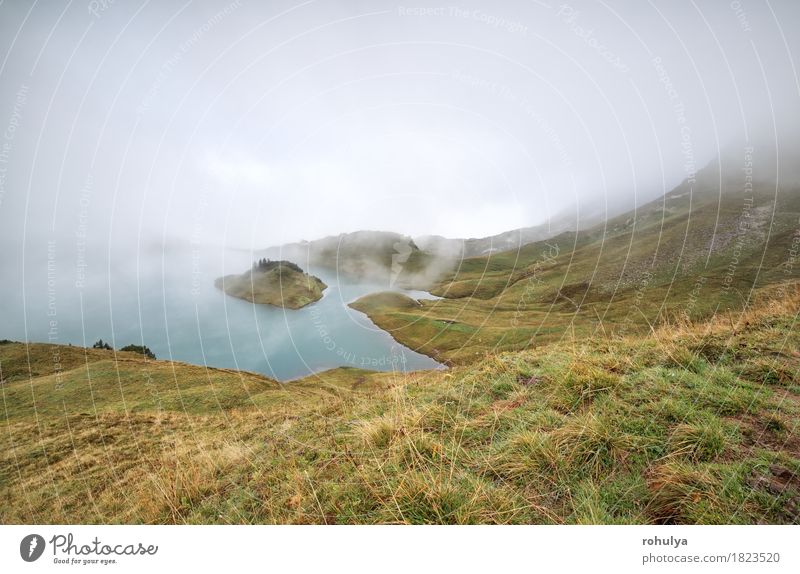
(265, 264)
(262, 264)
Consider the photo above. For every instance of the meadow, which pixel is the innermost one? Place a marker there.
(695, 422)
(642, 371)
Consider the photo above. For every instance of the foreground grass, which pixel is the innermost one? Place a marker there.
(693, 423)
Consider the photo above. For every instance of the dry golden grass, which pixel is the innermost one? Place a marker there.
(694, 423)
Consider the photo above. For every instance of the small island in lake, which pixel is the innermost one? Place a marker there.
(279, 283)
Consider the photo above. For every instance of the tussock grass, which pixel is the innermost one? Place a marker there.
(680, 491)
(528, 456)
(684, 425)
(592, 443)
(698, 442)
(379, 432)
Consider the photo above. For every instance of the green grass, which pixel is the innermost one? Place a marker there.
(641, 371)
(684, 258)
(691, 423)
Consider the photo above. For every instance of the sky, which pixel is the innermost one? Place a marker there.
(250, 124)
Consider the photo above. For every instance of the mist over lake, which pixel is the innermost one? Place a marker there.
(166, 299)
(517, 263)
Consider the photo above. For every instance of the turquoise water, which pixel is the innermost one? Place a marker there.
(168, 302)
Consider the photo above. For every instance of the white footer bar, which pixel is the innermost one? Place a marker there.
(402, 549)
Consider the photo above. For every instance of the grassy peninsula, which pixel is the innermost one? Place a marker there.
(279, 283)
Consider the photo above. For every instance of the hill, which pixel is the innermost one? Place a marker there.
(704, 247)
(640, 371)
(692, 422)
(375, 255)
(419, 262)
(588, 213)
(279, 283)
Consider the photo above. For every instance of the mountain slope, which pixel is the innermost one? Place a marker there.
(691, 253)
(692, 423)
(583, 216)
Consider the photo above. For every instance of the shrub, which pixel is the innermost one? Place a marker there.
(141, 349)
(101, 345)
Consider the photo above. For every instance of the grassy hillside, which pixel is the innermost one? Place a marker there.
(693, 422)
(280, 283)
(645, 370)
(692, 253)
